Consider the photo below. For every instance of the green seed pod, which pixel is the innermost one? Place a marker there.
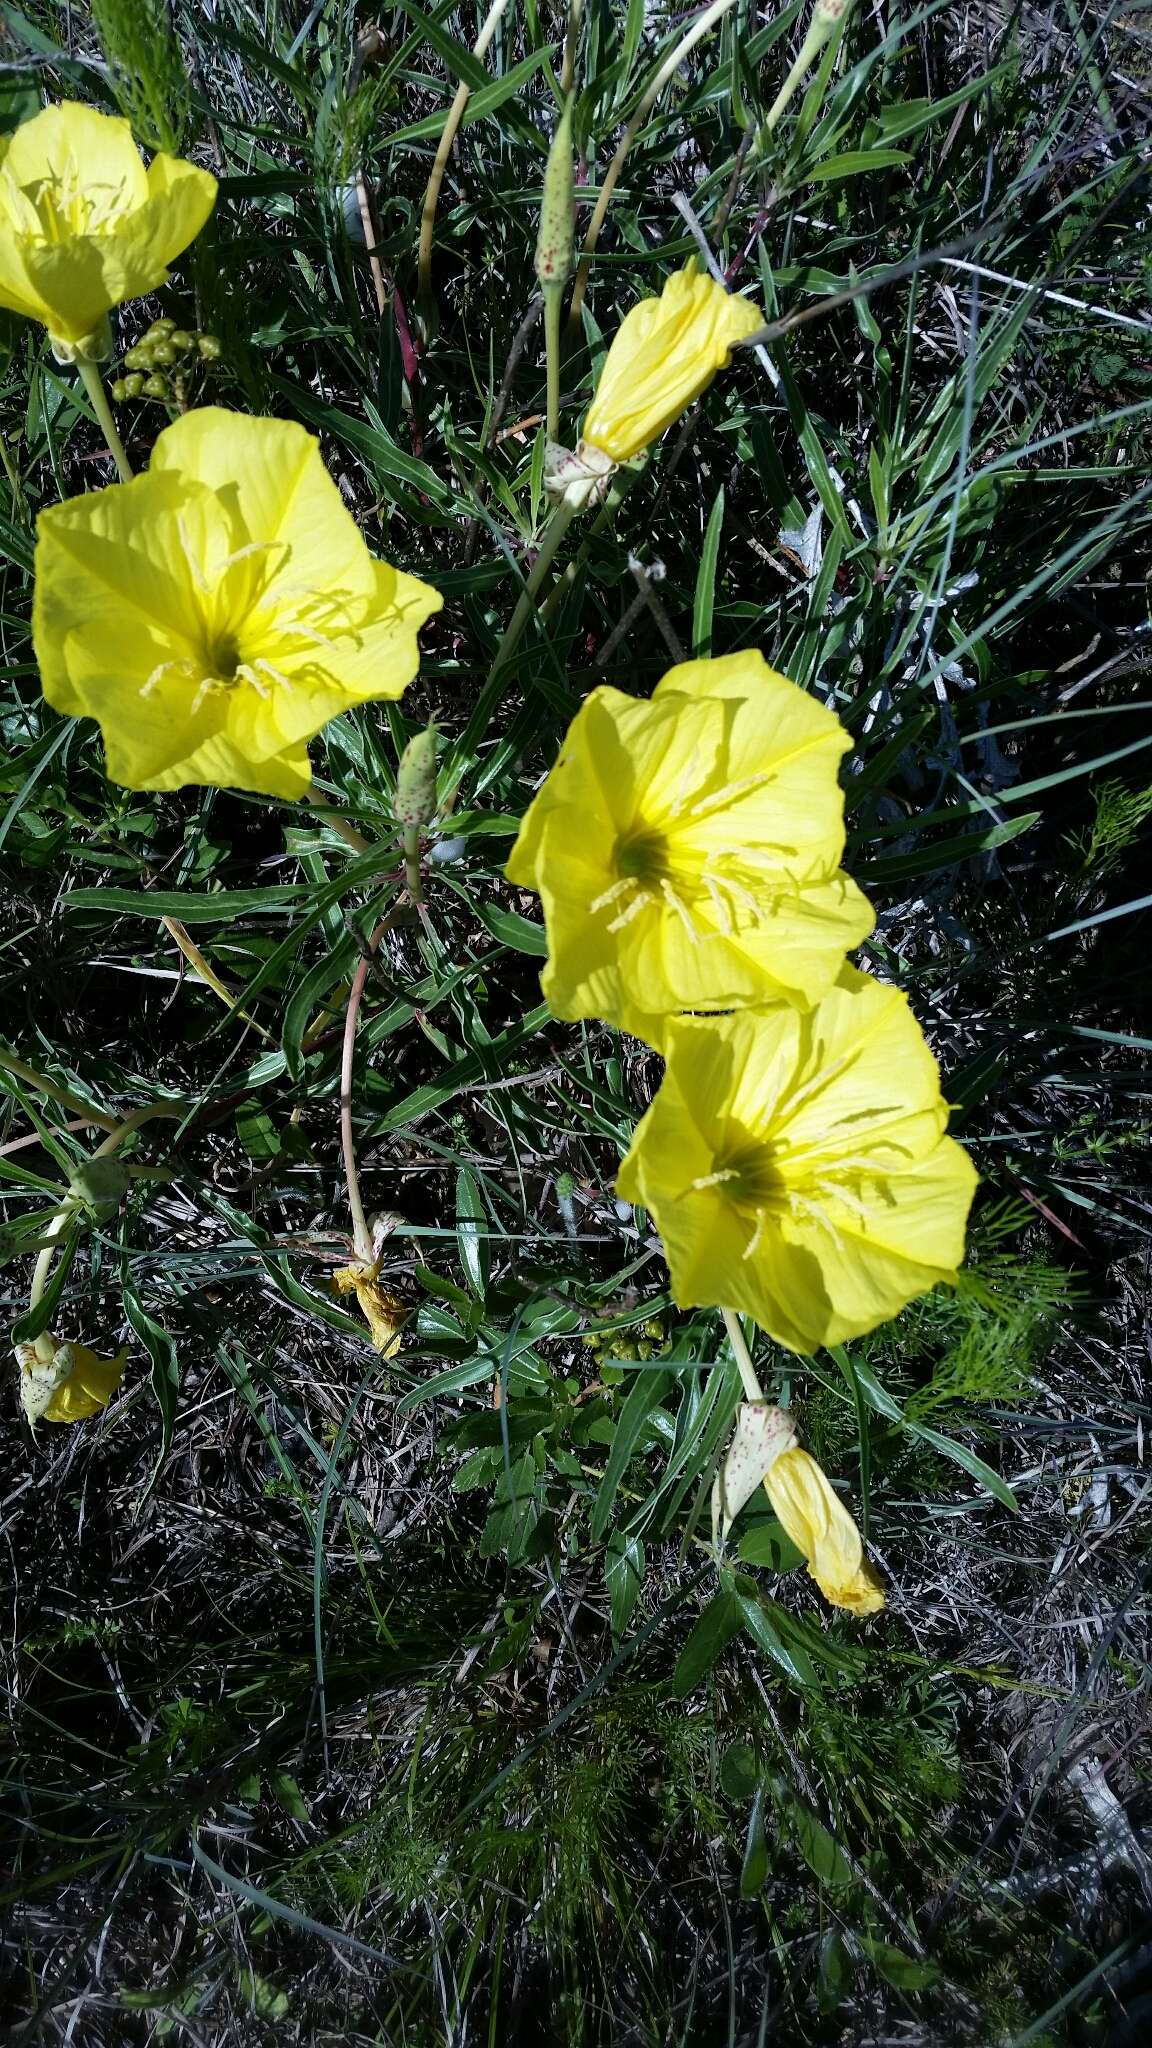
(554, 242)
(416, 779)
(164, 353)
(133, 385)
(181, 340)
(209, 347)
(155, 386)
(118, 391)
(161, 329)
(138, 357)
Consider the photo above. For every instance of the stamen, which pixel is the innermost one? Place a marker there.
(681, 909)
(276, 674)
(626, 916)
(194, 568)
(611, 895)
(715, 1180)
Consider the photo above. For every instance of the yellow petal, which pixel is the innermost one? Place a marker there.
(214, 614)
(83, 227)
(813, 1195)
(686, 849)
(384, 1312)
(74, 1384)
(666, 353)
(813, 1515)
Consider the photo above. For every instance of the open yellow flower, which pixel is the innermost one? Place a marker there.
(383, 1311)
(83, 225)
(217, 612)
(819, 1524)
(666, 352)
(797, 1168)
(61, 1382)
(686, 849)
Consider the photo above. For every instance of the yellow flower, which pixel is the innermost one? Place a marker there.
(66, 1383)
(384, 1312)
(666, 353)
(797, 1166)
(215, 613)
(686, 849)
(819, 1524)
(83, 226)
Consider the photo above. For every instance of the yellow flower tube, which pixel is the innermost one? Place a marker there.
(813, 1515)
(215, 613)
(83, 225)
(667, 351)
(797, 1168)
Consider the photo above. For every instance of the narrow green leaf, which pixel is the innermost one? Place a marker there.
(720, 1621)
(706, 581)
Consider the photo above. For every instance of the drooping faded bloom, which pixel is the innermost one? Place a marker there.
(687, 849)
(64, 1382)
(83, 225)
(666, 352)
(797, 1167)
(383, 1311)
(814, 1516)
(214, 614)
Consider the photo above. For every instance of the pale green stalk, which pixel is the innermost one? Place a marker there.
(93, 384)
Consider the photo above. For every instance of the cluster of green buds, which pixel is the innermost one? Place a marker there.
(157, 364)
(643, 1341)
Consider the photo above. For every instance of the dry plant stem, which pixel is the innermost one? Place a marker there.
(752, 1388)
(444, 151)
(672, 62)
(55, 1093)
(339, 823)
(208, 974)
(93, 384)
(361, 1235)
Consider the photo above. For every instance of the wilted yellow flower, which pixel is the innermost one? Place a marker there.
(686, 849)
(61, 1382)
(666, 352)
(797, 1168)
(384, 1312)
(815, 1518)
(83, 226)
(217, 612)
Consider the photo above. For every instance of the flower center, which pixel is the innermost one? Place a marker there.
(62, 206)
(643, 855)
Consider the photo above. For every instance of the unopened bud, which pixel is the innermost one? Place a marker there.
(99, 1185)
(209, 347)
(416, 779)
(181, 340)
(155, 386)
(161, 329)
(554, 242)
(139, 356)
(132, 385)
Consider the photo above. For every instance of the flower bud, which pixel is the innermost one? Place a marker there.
(181, 340)
(164, 352)
(416, 779)
(99, 1185)
(132, 385)
(139, 356)
(209, 347)
(118, 391)
(554, 242)
(161, 329)
(155, 386)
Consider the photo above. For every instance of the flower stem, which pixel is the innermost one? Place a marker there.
(550, 541)
(55, 1093)
(440, 165)
(753, 1391)
(338, 823)
(553, 307)
(672, 62)
(412, 877)
(98, 399)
